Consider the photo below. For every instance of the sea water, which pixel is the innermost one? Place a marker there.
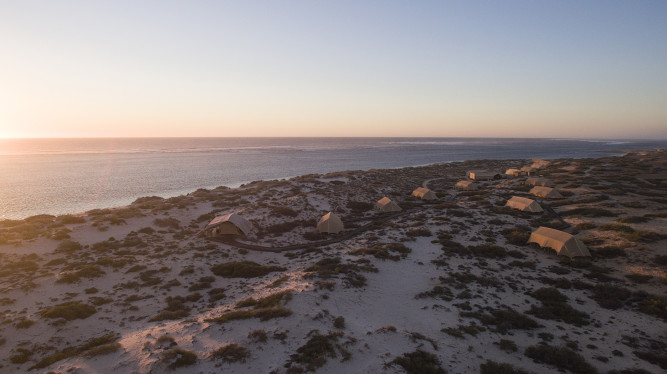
(60, 176)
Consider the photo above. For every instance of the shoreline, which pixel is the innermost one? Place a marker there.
(190, 190)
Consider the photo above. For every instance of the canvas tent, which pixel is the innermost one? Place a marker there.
(546, 192)
(466, 186)
(424, 194)
(330, 223)
(565, 244)
(513, 173)
(386, 205)
(533, 181)
(230, 224)
(524, 204)
(482, 175)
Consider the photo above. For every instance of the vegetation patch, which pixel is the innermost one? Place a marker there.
(231, 353)
(333, 267)
(517, 235)
(419, 362)
(493, 367)
(588, 212)
(175, 309)
(555, 307)
(385, 251)
(69, 311)
(504, 319)
(94, 347)
(315, 352)
(177, 358)
(488, 251)
(560, 357)
(243, 269)
(266, 308)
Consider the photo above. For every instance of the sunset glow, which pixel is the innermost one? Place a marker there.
(262, 68)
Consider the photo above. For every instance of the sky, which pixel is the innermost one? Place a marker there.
(572, 69)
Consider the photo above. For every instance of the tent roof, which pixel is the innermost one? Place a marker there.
(384, 201)
(243, 224)
(524, 204)
(564, 243)
(421, 190)
(545, 192)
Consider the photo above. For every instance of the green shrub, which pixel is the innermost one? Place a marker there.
(22, 356)
(609, 252)
(24, 324)
(314, 353)
(609, 296)
(93, 347)
(492, 367)
(507, 345)
(549, 294)
(263, 314)
(503, 319)
(384, 251)
(339, 322)
(617, 227)
(585, 226)
(70, 310)
(171, 223)
(488, 251)
(231, 353)
(560, 357)
(632, 219)
(284, 211)
(418, 231)
(588, 212)
(243, 269)
(68, 246)
(176, 358)
(419, 362)
(359, 206)
(517, 235)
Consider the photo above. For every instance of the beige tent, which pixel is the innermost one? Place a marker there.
(466, 186)
(546, 192)
(386, 205)
(230, 224)
(424, 194)
(330, 223)
(564, 243)
(481, 175)
(513, 173)
(534, 181)
(524, 204)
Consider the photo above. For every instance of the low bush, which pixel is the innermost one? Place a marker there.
(503, 319)
(231, 353)
(176, 358)
(419, 362)
(517, 235)
(385, 251)
(94, 347)
(69, 311)
(560, 357)
(314, 353)
(68, 246)
(243, 269)
(588, 212)
(492, 367)
(488, 251)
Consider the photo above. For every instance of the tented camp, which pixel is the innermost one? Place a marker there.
(466, 186)
(386, 205)
(565, 244)
(524, 204)
(528, 170)
(230, 224)
(482, 175)
(546, 192)
(513, 173)
(424, 194)
(330, 223)
(534, 181)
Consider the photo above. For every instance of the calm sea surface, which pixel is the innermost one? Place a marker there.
(58, 176)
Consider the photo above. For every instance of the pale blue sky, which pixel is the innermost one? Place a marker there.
(333, 68)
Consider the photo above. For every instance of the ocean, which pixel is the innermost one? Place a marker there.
(61, 176)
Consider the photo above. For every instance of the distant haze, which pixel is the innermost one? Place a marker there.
(575, 69)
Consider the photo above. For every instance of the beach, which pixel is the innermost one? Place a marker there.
(450, 283)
